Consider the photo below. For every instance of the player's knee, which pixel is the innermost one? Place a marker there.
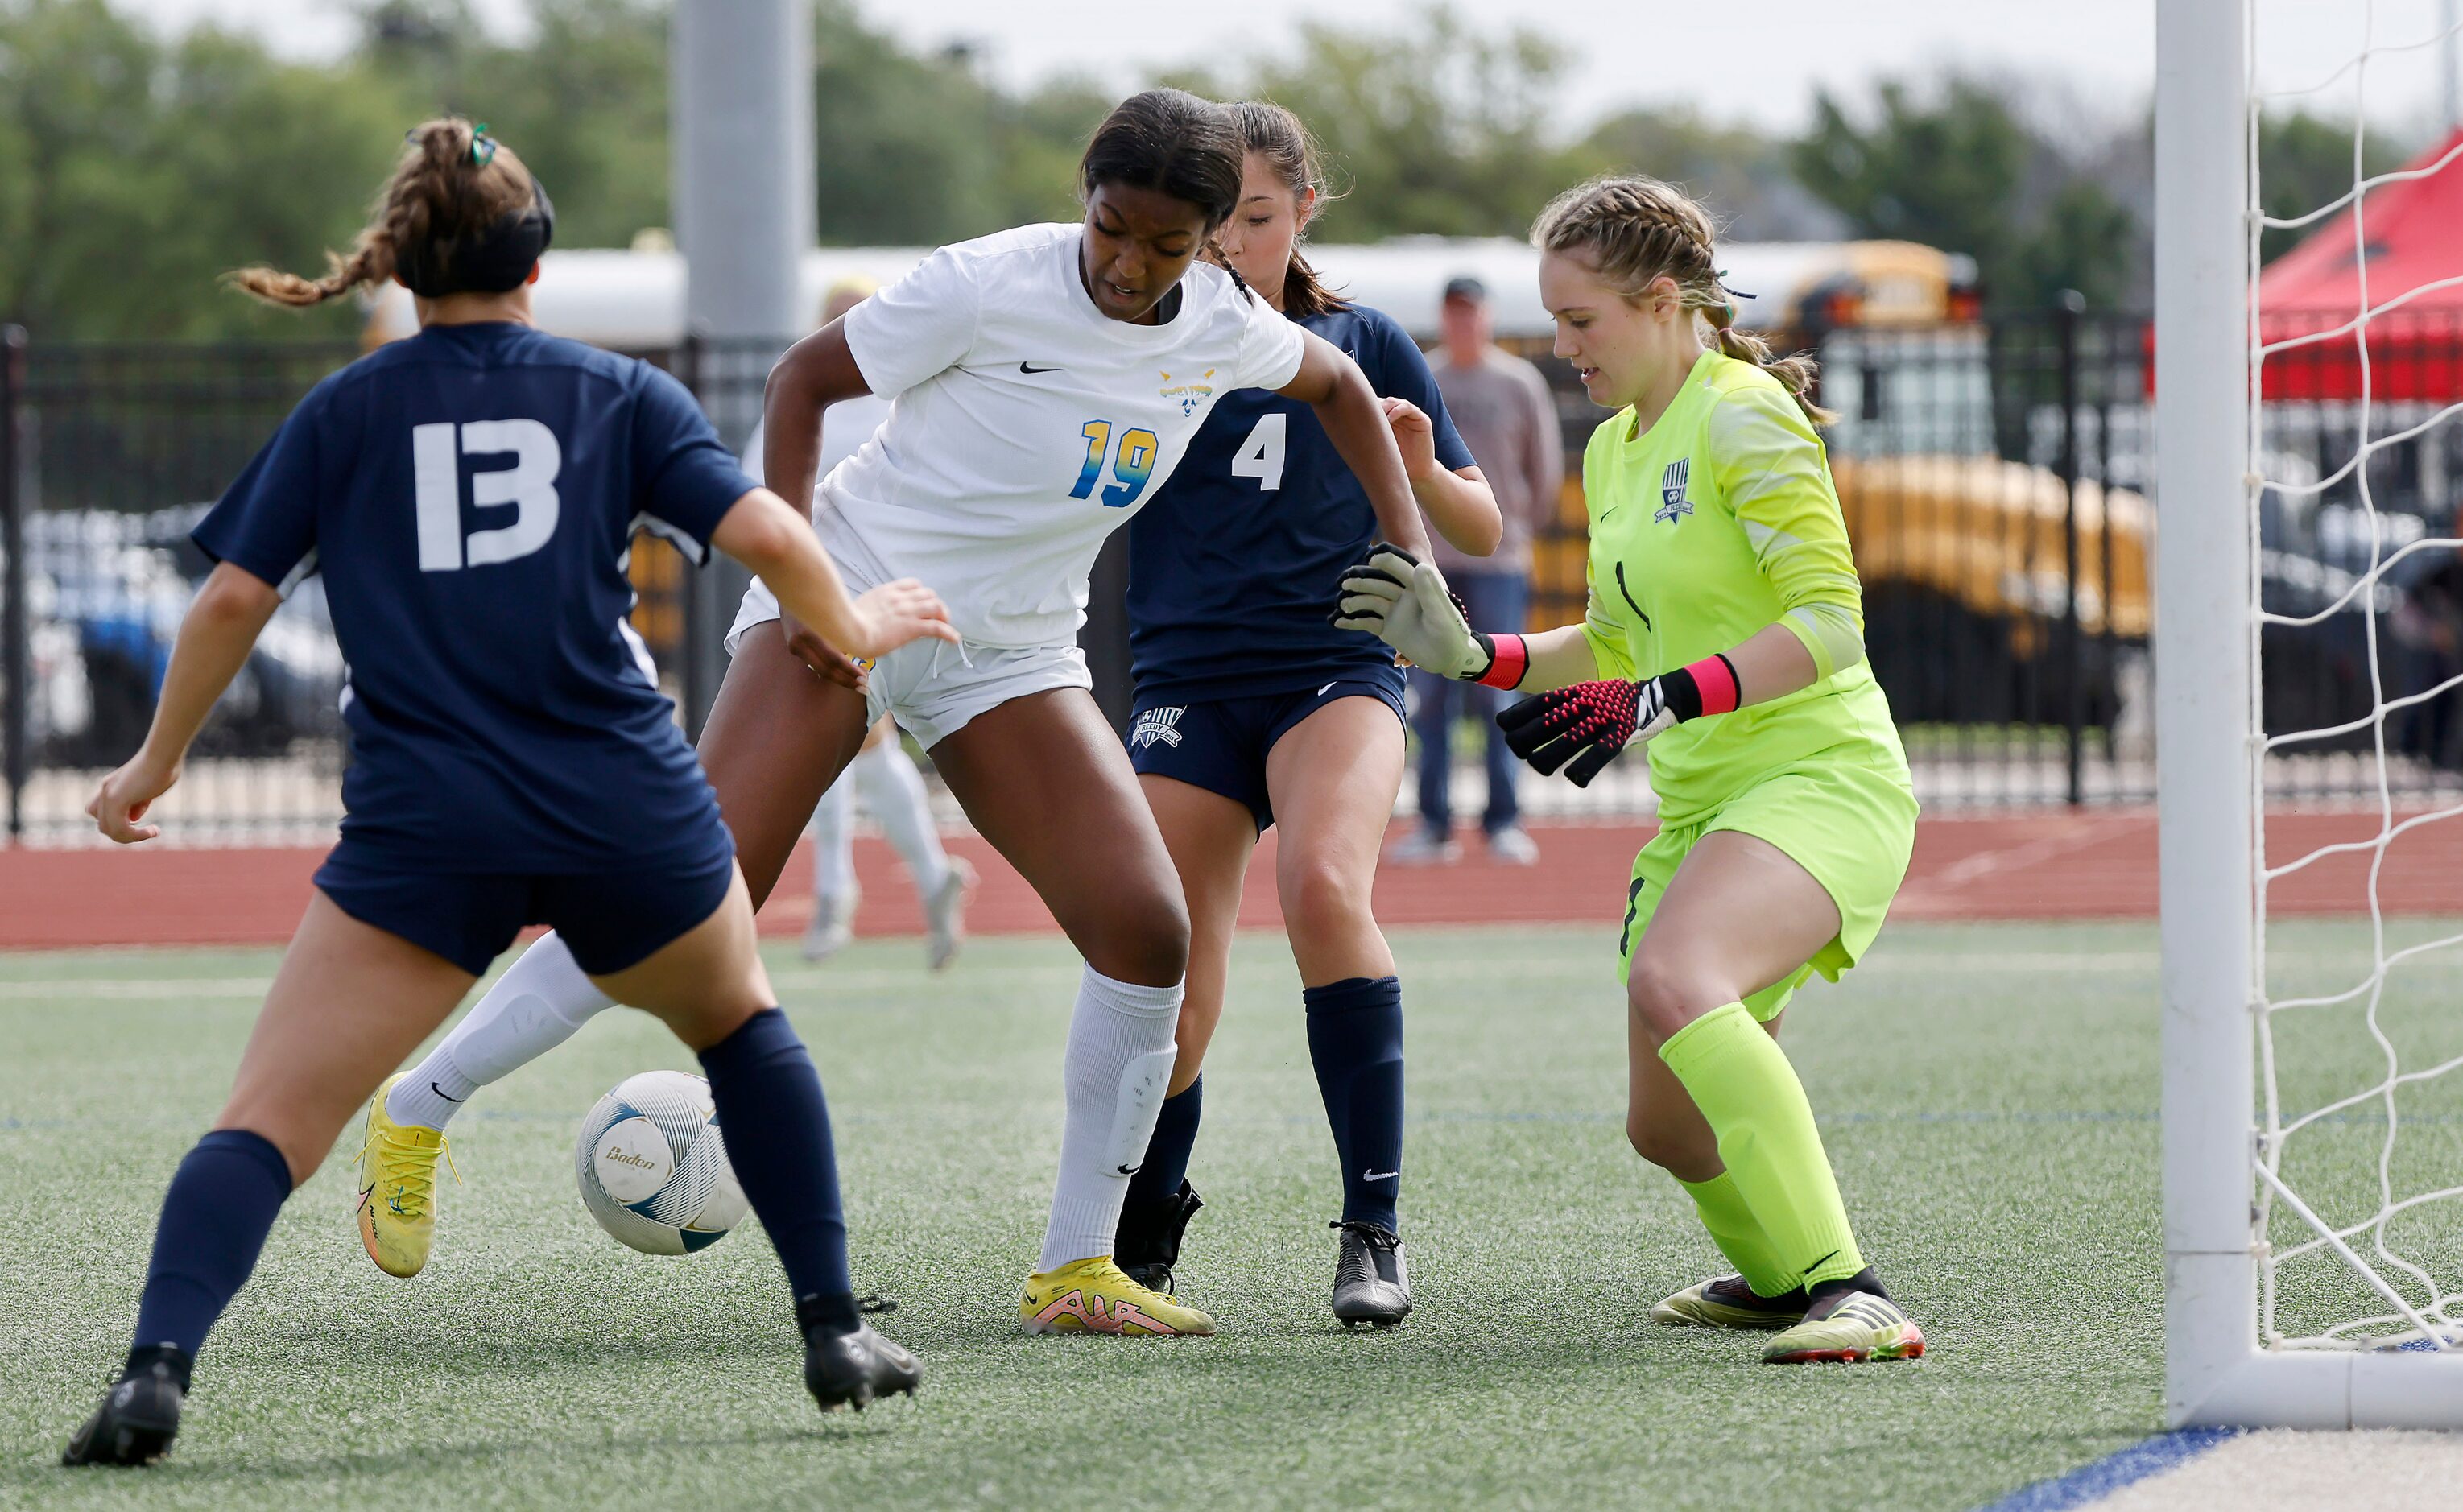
(1322, 897)
(1142, 938)
(1665, 992)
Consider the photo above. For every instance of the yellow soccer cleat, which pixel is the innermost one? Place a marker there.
(1848, 1329)
(1726, 1302)
(1092, 1296)
(398, 1190)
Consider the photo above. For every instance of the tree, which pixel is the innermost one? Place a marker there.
(1739, 174)
(133, 173)
(2305, 162)
(1959, 167)
(1441, 131)
(585, 100)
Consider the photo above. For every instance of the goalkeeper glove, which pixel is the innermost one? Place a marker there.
(1404, 602)
(1582, 727)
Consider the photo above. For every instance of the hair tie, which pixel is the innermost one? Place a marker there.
(483, 146)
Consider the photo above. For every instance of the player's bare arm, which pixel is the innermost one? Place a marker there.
(816, 373)
(767, 536)
(221, 628)
(1333, 385)
(1458, 501)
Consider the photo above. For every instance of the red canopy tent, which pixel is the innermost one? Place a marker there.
(2414, 238)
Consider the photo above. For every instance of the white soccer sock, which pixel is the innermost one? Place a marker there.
(834, 841)
(1119, 1067)
(536, 1006)
(893, 790)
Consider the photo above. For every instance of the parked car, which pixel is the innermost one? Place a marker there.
(105, 593)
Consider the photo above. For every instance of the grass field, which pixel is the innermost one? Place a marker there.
(1988, 1092)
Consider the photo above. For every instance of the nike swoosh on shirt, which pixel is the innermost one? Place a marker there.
(1029, 367)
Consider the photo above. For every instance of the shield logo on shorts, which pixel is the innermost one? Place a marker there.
(1156, 725)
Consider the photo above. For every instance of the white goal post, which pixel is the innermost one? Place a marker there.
(2220, 1182)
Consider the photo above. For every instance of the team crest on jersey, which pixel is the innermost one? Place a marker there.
(1156, 725)
(1673, 501)
(1190, 392)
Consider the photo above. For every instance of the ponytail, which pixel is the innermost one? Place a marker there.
(1794, 371)
(445, 212)
(1638, 231)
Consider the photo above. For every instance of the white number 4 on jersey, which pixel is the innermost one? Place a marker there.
(1261, 456)
(528, 485)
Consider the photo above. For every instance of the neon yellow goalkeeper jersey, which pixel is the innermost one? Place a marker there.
(1717, 521)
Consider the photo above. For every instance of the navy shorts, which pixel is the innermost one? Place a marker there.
(609, 919)
(1220, 744)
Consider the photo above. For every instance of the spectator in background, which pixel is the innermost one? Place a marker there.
(1502, 407)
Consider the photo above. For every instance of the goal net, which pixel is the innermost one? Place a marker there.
(2310, 658)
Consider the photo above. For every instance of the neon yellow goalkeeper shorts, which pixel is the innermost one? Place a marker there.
(1851, 827)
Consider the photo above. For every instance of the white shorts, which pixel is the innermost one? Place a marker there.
(931, 687)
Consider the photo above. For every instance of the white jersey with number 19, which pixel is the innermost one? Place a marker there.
(1026, 426)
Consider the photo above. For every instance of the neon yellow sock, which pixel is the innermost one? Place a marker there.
(1739, 1234)
(1742, 1082)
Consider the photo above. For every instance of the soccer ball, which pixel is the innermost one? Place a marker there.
(653, 1168)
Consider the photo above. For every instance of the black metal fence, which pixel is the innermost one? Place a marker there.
(1993, 476)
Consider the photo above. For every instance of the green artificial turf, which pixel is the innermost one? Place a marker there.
(1988, 1093)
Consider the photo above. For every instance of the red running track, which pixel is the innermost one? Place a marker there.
(2056, 865)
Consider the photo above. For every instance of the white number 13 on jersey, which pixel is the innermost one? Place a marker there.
(1261, 456)
(528, 485)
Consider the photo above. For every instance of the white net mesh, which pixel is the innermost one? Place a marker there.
(2356, 366)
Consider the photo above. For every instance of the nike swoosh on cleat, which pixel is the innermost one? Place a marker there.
(441, 1092)
(1028, 367)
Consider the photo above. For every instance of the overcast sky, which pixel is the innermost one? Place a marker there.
(1755, 60)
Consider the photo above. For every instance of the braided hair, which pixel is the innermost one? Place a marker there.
(453, 183)
(1636, 231)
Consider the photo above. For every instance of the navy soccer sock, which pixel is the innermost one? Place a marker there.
(761, 1080)
(215, 1217)
(1175, 1134)
(1354, 1033)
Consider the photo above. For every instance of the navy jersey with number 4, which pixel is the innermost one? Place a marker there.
(1233, 565)
(469, 495)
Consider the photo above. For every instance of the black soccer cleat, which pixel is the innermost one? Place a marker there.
(1370, 1284)
(1726, 1302)
(846, 1368)
(1147, 1245)
(137, 1420)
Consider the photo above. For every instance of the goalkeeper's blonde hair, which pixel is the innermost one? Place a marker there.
(1636, 231)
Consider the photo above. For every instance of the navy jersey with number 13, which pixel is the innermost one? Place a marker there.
(1234, 564)
(469, 495)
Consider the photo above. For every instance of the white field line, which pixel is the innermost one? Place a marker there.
(2281, 1471)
